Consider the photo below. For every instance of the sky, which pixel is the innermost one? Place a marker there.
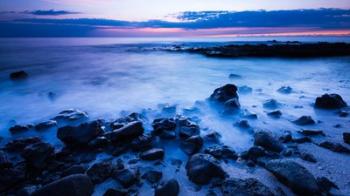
(173, 17)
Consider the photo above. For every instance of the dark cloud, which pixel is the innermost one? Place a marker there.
(50, 12)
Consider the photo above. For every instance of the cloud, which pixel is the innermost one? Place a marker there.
(50, 12)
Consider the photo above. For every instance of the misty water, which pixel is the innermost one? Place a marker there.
(109, 77)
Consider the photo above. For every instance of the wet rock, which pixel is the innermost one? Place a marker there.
(285, 90)
(212, 136)
(343, 113)
(164, 128)
(308, 157)
(253, 153)
(245, 89)
(346, 137)
(99, 142)
(4, 161)
(325, 184)
(126, 133)
(267, 141)
(271, 104)
(169, 188)
(115, 192)
(232, 105)
(75, 169)
(18, 75)
(153, 154)
(335, 147)
(312, 132)
(153, 176)
(243, 124)
(302, 140)
(11, 177)
(192, 144)
(226, 95)
(201, 168)
(245, 187)
(71, 115)
(330, 101)
(38, 154)
(99, 172)
(46, 125)
(73, 185)
(18, 145)
(304, 120)
(286, 137)
(125, 177)
(20, 128)
(249, 115)
(293, 175)
(234, 76)
(141, 143)
(187, 128)
(221, 152)
(275, 114)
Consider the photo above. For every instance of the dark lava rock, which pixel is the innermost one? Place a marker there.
(169, 188)
(192, 144)
(164, 128)
(187, 128)
(71, 115)
(80, 135)
(37, 154)
(293, 175)
(4, 161)
(226, 95)
(271, 104)
(330, 101)
(201, 168)
(267, 141)
(115, 192)
(245, 89)
(18, 145)
(99, 172)
(346, 137)
(125, 177)
(285, 90)
(245, 187)
(143, 142)
(335, 147)
(46, 125)
(308, 157)
(75, 169)
(243, 124)
(18, 75)
(275, 114)
(20, 128)
(304, 120)
(253, 153)
(127, 132)
(221, 152)
(325, 184)
(153, 176)
(10, 177)
(312, 132)
(73, 185)
(153, 154)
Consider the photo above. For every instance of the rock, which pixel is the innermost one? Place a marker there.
(271, 104)
(18, 75)
(286, 137)
(330, 101)
(226, 95)
(99, 172)
(304, 120)
(343, 114)
(201, 168)
(243, 124)
(46, 125)
(73, 185)
(232, 105)
(4, 161)
(153, 154)
(18, 145)
(245, 187)
(325, 184)
(335, 147)
(188, 129)
(221, 152)
(141, 143)
(80, 135)
(245, 89)
(38, 154)
(114, 192)
(71, 115)
(234, 76)
(346, 137)
(192, 145)
(20, 128)
(99, 142)
(164, 128)
(125, 177)
(267, 141)
(308, 157)
(275, 114)
(11, 177)
(128, 132)
(153, 176)
(253, 153)
(293, 175)
(75, 169)
(312, 132)
(301, 140)
(285, 90)
(169, 188)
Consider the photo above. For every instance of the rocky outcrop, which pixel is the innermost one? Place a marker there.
(330, 101)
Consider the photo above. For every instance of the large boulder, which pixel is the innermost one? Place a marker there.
(330, 101)
(245, 187)
(169, 188)
(126, 133)
(227, 96)
(80, 135)
(38, 154)
(293, 175)
(73, 185)
(201, 168)
(187, 128)
(267, 141)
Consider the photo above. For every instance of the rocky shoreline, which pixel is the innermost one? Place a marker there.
(31, 166)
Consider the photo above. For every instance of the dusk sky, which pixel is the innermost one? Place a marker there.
(207, 17)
